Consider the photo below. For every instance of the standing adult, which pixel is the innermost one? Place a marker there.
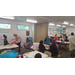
(72, 44)
(56, 37)
(18, 40)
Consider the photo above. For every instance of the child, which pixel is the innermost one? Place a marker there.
(49, 42)
(30, 39)
(38, 55)
(5, 40)
(53, 49)
(52, 39)
(66, 39)
(41, 47)
(46, 40)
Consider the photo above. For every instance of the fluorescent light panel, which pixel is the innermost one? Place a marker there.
(71, 25)
(58, 25)
(32, 21)
(51, 24)
(63, 26)
(66, 23)
(8, 17)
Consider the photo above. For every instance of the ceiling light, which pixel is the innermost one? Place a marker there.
(32, 21)
(66, 23)
(7, 17)
(71, 24)
(63, 26)
(58, 25)
(51, 24)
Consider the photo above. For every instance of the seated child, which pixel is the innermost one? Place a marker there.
(53, 49)
(47, 41)
(52, 39)
(66, 39)
(30, 39)
(38, 55)
(5, 40)
(41, 47)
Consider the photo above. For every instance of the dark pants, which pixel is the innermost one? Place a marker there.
(72, 52)
(52, 54)
(19, 45)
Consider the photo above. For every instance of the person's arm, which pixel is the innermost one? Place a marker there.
(48, 47)
(14, 39)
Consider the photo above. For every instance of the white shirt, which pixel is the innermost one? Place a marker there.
(19, 40)
(71, 43)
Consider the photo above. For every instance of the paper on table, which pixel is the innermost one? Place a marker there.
(27, 54)
(33, 56)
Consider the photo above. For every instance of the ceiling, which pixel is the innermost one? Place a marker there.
(44, 19)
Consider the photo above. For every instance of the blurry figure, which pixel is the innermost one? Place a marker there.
(5, 40)
(72, 44)
(41, 47)
(56, 37)
(38, 55)
(53, 49)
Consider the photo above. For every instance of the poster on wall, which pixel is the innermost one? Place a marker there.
(27, 33)
(61, 32)
(56, 29)
(64, 31)
(51, 29)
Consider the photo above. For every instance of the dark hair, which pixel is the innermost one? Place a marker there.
(41, 42)
(4, 36)
(53, 42)
(72, 33)
(38, 55)
(55, 34)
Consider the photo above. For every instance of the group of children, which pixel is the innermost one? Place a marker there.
(52, 46)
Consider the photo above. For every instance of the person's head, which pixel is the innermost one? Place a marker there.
(15, 35)
(38, 55)
(41, 42)
(53, 42)
(5, 37)
(60, 36)
(55, 34)
(72, 33)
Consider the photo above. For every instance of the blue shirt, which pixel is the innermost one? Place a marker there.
(30, 39)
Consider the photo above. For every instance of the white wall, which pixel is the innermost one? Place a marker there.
(70, 29)
(21, 33)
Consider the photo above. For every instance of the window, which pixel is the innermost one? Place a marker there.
(5, 26)
(22, 27)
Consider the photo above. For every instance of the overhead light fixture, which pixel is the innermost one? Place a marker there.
(7, 17)
(32, 21)
(66, 23)
(63, 26)
(71, 25)
(51, 24)
(58, 25)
